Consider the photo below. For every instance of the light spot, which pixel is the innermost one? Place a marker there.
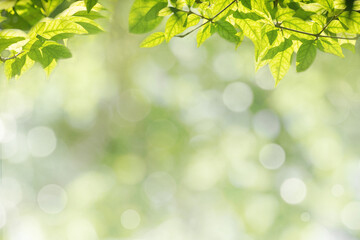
(185, 50)
(266, 124)
(238, 97)
(160, 187)
(8, 149)
(161, 134)
(268, 206)
(293, 191)
(204, 171)
(41, 141)
(337, 190)
(52, 199)
(317, 232)
(2, 217)
(264, 79)
(326, 153)
(246, 176)
(16, 104)
(305, 217)
(350, 215)
(272, 156)
(14, 151)
(10, 192)
(130, 169)
(82, 195)
(25, 228)
(133, 105)
(226, 66)
(130, 219)
(8, 128)
(81, 229)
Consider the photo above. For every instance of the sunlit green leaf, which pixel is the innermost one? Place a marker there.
(144, 15)
(176, 24)
(305, 55)
(280, 63)
(153, 40)
(90, 4)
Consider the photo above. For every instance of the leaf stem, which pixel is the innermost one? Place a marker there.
(327, 24)
(208, 19)
(3, 59)
(230, 4)
(191, 12)
(193, 30)
(316, 35)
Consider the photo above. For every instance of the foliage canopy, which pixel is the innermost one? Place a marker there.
(277, 28)
(37, 31)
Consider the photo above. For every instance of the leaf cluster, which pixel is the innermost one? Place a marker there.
(279, 29)
(36, 31)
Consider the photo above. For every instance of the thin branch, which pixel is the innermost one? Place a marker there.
(193, 30)
(294, 30)
(327, 24)
(338, 37)
(3, 59)
(191, 12)
(316, 35)
(224, 9)
(208, 19)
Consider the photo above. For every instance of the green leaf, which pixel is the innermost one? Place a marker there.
(6, 42)
(56, 29)
(48, 53)
(251, 28)
(204, 33)
(335, 27)
(56, 50)
(90, 4)
(165, 12)
(179, 4)
(144, 15)
(14, 68)
(79, 9)
(300, 25)
(50, 5)
(246, 3)
(6, 4)
(305, 55)
(88, 24)
(327, 4)
(176, 24)
(227, 31)
(192, 20)
(284, 14)
(220, 7)
(190, 3)
(352, 21)
(28, 12)
(153, 40)
(346, 43)
(330, 46)
(272, 36)
(280, 64)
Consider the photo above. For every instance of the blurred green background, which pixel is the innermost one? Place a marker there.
(179, 143)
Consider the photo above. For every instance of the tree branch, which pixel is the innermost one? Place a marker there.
(3, 59)
(208, 19)
(191, 12)
(316, 35)
(230, 4)
(327, 24)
